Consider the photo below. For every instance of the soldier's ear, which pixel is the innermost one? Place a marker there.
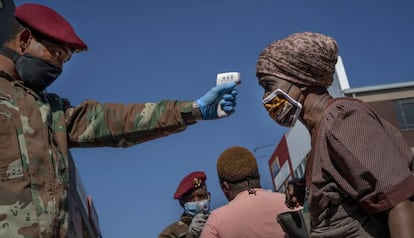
(24, 39)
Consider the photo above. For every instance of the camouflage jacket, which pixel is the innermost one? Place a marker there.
(36, 134)
(178, 229)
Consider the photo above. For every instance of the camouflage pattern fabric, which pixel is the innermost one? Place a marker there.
(36, 134)
(178, 229)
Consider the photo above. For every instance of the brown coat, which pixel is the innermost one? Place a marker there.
(359, 168)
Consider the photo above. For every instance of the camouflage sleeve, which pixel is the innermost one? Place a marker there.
(175, 230)
(120, 125)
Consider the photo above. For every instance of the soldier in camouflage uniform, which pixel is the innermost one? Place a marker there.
(195, 199)
(38, 128)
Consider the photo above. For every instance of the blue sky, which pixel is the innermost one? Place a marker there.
(142, 51)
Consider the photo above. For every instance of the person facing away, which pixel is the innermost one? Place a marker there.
(251, 211)
(38, 128)
(194, 198)
(360, 170)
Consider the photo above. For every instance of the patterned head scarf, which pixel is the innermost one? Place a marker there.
(304, 58)
(237, 164)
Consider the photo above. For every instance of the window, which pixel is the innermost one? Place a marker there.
(405, 113)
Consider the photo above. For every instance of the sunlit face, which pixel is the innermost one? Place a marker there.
(54, 53)
(270, 84)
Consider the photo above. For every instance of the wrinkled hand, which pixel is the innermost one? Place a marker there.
(295, 193)
(198, 223)
(218, 102)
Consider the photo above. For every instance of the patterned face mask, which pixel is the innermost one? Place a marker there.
(282, 108)
(193, 208)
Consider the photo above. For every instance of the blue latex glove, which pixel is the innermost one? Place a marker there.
(218, 102)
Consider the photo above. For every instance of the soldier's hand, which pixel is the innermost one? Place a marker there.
(218, 102)
(197, 224)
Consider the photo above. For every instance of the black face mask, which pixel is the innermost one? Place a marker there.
(36, 73)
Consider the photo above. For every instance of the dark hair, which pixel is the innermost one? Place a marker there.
(247, 184)
(14, 28)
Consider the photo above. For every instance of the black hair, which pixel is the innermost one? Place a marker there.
(240, 186)
(14, 29)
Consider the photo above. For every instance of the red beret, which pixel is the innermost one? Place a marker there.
(193, 180)
(50, 24)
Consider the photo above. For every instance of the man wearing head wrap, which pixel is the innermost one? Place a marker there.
(359, 173)
(194, 198)
(38, 128)
(251, 211)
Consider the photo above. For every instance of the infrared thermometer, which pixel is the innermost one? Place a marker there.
(226, 78)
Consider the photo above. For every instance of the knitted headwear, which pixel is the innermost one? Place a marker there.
(236, 164)
(304, 58)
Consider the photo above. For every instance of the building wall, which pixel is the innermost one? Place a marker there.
(387, 111)
(382, 99)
